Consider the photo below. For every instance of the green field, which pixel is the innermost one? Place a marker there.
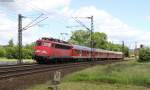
(129, 75)
(11, 60)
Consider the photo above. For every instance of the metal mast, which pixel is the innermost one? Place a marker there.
(92, 41)
(20, 38)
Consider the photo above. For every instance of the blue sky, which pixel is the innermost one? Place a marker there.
(121, 20)
(132, 12)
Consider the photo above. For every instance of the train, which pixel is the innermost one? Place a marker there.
(50, 50)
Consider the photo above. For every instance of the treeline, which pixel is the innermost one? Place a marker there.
(10, 51)
(82, 37)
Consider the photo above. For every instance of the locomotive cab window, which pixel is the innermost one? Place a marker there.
(38, 43)
(47, 44)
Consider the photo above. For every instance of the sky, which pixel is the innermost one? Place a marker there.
(121, 20)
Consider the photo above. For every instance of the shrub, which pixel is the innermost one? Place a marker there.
(11, 53)
(144, 54)
(27, 53)
(2, 52)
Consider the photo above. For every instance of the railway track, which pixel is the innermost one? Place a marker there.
(20, 70)
(14, 71)
(20, 77)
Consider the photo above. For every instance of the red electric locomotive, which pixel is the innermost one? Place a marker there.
(49, 50)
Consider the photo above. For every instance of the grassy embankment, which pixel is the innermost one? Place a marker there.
(13, 60)
(129, 75)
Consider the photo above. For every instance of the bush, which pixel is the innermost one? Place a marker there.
(144, 54)
(27, 53)
(2, 52)
(11, 53)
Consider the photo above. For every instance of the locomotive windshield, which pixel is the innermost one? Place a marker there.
(46, 44)
(38, 43)
(42, 43)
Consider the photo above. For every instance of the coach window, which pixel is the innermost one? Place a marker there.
(57, 46)
(77, 51)
(53, 45)
(62, 46)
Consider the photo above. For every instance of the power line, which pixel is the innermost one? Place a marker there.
(91, 33)
(33, 21)
(35, 24)
(81, 23)
(20, 29)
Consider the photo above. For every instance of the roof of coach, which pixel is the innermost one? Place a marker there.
(81, 47)
(87, 48)
(84, 48)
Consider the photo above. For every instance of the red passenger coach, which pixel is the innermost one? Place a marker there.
(49, 50)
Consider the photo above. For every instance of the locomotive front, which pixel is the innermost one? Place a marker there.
(42, 51)
(49, 50)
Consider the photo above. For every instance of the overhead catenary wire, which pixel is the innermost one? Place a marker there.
(32, 22)
(81, 23)
(35, 24)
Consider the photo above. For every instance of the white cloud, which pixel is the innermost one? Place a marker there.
(23, 6)
(9, 28)
(116, 29)
(148, 18)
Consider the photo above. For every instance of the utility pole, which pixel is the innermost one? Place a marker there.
(91, 29)
(92, 42)
(123, 50)
(20, 38)
(62, 35)
(20, 30)
(135, 51)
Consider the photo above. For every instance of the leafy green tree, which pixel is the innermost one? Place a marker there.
(27, 53)
(10, 43)
(2, 52)
(11, 52)
(100, 40)
(80, 37)
(126, 51)
(28, 50)
(144, 54)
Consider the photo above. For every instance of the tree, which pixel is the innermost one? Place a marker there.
(2, 52)
(10, 43)
(11, 52)
(82, 37)
(144, 54)
(100, 40)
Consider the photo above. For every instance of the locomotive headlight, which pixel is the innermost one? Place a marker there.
(41, 51)
(38, 51)
(44, 52)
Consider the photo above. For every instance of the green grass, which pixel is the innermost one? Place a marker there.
(129, 75)
(7, 60)
(88, 86)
